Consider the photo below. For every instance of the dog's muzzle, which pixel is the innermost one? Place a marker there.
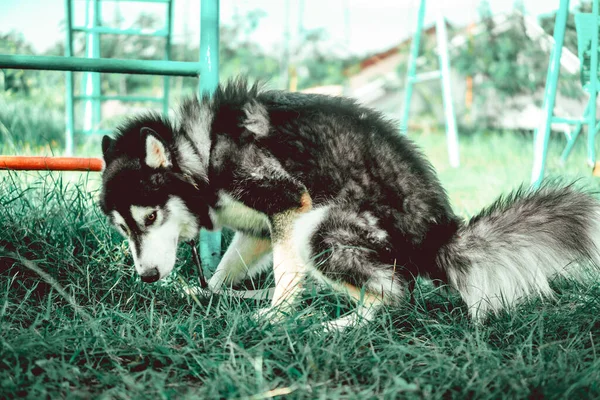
(150, 276)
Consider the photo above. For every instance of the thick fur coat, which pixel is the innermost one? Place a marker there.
(322, 185)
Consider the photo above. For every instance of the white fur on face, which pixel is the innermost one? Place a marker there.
(120, 223)
(158, 241)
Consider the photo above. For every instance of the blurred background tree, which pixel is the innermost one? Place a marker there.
(507, 60)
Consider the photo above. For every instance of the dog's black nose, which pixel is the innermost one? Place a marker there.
(151, 275)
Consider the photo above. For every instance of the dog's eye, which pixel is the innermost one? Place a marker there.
(124, 229)
(150, 218)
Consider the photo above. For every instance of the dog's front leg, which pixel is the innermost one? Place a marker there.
(243, 257)
(269, 189)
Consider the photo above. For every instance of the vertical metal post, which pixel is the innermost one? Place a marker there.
(69, 116)
(573, 138)
(542, 134)
(591, 116)
(285, 56)
(442, 42)
(166, 80)
(412, 67)
(209, 45)
(210, 242)
(97, 105)
(92, 79)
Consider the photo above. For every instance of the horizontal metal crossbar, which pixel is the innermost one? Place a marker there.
(117, 31)
(93, 132)
(107, 65)
(572, 121)
(121, 98)
(139, 1)
(426, 76)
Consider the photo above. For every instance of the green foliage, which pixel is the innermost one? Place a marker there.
(76, 322)
(27, 126)
(510, 61)
(240, 54)
(14, 80)
(21, 82)
(570, 41)
(318, 64)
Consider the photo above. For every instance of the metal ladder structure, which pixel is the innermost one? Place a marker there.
(587, 38)
(91, 86)
(206, 69)
(443, 74)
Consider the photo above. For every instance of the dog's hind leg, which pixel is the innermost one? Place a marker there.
(367, 305)
(289, 268)
(351, 252)
(245, 256)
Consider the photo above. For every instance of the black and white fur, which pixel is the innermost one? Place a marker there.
(324, 186)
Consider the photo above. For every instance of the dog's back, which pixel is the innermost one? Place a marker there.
(352, 155)
(333, 188)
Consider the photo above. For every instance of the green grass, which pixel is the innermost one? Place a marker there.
(76, 322)
(27, 127)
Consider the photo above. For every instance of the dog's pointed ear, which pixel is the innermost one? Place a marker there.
(157, 155)
(107, 143)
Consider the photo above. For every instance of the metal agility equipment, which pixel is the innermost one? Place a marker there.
(587, 43)
(443, 74)
(206, 68)
(91, 81)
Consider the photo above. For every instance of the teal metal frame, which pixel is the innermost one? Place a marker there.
(443, 73)
(91, 86)
(207, 69)
(542, 134)
(91, 80)
(210, 242)
(113, 65)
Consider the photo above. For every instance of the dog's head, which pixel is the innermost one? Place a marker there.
(147, 196)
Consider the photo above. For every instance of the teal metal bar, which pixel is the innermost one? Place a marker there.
(442, 42)
(124, 98)
(95, 132)
(412, 67)
(95, 53)
(210, 242)
(593, 90)
(575, 134)
(69, 111)
(426, 76)
(444, 73)
(139, 1)
(571, 121)
(542, 134)
(571, 141)
(166, 80)
(108, 65)
(209, 46)
(91, 81)
(116, 31)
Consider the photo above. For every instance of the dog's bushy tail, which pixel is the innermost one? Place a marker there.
(514, 247)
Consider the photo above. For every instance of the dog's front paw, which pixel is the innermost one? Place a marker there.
(340, 324)
(215, 284)
(271, 315)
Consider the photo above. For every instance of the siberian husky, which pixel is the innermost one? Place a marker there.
(320, 185)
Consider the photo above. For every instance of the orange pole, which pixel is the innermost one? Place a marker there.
(469, 92)
(50, 163)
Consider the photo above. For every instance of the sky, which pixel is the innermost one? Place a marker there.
(366, 27)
